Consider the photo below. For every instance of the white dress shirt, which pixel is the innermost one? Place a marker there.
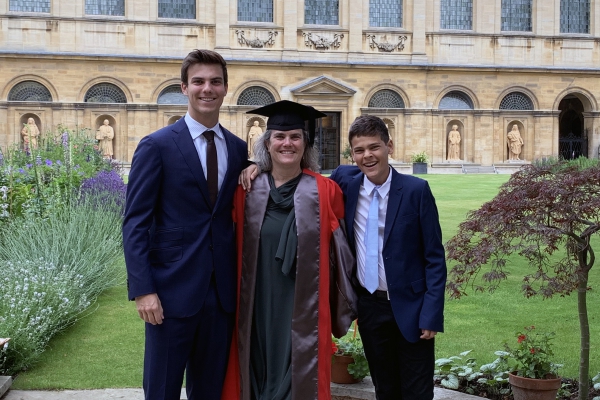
(196, 131)
(365, 195)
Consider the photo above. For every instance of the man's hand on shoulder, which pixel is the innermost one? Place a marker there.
(149, 308)
(247, 176)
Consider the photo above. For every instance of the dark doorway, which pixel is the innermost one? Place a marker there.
(572, 137)
(328, 141)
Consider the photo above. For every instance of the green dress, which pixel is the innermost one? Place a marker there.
(271, 341)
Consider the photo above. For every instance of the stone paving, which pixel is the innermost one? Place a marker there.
(357, 391)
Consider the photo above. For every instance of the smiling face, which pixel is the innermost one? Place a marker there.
(286, 148)
(205, 89)
(370, 154)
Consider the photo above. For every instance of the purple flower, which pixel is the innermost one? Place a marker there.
(58, 162)
(38, 160)
(21, 170)
(48, 163)
(107, 187)
(65, 139)
(29, 165)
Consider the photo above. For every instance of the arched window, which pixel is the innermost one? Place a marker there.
(516, 15)
(456, 100)
(321, 12)
(40, 6)
(29, 91)
(456, 14)
(516, 101)
(386, 99)
(574, 16)
(105, 7)
(255, 10)
(105, 93)
(385, 13)
(172, 95)
(255, 96)
(182, 9)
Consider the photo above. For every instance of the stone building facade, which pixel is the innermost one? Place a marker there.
(421, 65)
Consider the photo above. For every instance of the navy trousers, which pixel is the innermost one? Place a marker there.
(197, 345)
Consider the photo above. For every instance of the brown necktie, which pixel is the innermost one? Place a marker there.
(212, 167)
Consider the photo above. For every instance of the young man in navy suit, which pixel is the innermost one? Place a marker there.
(179, 241)
(401, 265)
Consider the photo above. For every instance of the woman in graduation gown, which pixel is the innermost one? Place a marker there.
(294, 267)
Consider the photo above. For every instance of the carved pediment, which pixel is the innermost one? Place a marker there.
(323, 85)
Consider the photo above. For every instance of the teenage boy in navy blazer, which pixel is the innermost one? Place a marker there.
(403, 309)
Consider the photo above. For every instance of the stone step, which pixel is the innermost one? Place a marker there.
(479, 169)
(357, 391)
(5, 382)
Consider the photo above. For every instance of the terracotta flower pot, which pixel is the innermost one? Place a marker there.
(339, 370)
(533, 389)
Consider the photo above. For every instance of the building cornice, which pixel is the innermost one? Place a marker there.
(307, 63)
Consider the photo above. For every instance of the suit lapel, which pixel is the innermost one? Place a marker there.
(393, 207)
(233, 166)
(351, 203)
(184, 142)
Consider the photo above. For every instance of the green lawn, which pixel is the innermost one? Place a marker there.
(104, 349)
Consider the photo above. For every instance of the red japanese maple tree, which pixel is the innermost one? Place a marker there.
(546, 214)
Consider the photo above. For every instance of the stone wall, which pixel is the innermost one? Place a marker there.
(68, 52)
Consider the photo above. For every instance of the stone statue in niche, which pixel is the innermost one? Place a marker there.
(30, 133)
(454, 144)
(515, 143)
(105, 135)
(253, 134)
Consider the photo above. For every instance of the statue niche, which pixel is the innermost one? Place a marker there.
(30, 134)
(454, 139)
(105, 135)
(253, 134)
(515, 143)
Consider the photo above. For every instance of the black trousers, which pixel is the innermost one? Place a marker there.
(400, 370)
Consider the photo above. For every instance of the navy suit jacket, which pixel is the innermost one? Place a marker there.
(413, 254)
(172, 237)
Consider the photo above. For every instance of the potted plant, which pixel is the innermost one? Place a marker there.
(533, 374)
(419, 161)
(348, 363)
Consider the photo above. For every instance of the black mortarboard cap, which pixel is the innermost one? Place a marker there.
(287, 115)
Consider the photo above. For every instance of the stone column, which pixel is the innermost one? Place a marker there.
(419, 51)
(355, 25)
(222, 34)
(545, 17)
(591, 122)
(292, 16)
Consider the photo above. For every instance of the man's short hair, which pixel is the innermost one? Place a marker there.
(202, 57)
(368, 125)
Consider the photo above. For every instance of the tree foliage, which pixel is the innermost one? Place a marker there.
(539, 212)
(545, 214)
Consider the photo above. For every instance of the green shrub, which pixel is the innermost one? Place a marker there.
(419, 157)
(52, 270)
(48, 177)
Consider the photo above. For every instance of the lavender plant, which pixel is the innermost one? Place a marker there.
(107, 188)
(52, 270)
(37, 300)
